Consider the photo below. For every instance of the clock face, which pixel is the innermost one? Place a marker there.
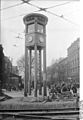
(41, 39)
(30, 38)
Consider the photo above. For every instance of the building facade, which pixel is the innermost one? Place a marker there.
(63, 69)
(67, 70)
(69, 67)
(1, 68)
(7, 71)
(11, 79)
(74, 61)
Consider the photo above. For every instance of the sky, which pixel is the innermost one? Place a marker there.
(60, 34)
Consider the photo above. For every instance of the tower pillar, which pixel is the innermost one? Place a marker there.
(35, 77)
(29, 82)
(40, 71)
(44, 72)
(26, 72)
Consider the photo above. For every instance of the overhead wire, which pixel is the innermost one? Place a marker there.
(45, 10)
(57, 5)
(62, 17)
(66, 19)
(28, 2)
(47, 7)
(22, 32)
(20, 4)
(40, 9)
(12, 6)
(33, 5)
(17, 16)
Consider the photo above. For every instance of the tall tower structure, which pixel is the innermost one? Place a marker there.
(35, 41)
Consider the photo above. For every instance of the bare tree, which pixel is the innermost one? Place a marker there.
(21, 65)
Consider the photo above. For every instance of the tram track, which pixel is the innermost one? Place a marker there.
(43, 114)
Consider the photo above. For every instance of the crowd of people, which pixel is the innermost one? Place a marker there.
(63, 91)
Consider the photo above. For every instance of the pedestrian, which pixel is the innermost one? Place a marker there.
(77, 102)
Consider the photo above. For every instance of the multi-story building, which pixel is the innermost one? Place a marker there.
(1, 68)
(63, 70)
(74, 61)
(15, 70)
(7, 71)
(11, 79)
(67, 69)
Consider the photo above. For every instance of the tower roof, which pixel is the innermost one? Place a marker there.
(38, 16)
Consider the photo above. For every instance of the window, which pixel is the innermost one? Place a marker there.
(40, 28)
(31, 28)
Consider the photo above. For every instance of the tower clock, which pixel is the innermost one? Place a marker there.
(35, 41)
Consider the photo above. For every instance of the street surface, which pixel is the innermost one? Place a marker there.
(15, 93)
(21, 93)
(55, 110)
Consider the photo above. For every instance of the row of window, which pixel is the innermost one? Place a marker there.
(33, 17)
(74, 62)
(74, 70)
(31, 28)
